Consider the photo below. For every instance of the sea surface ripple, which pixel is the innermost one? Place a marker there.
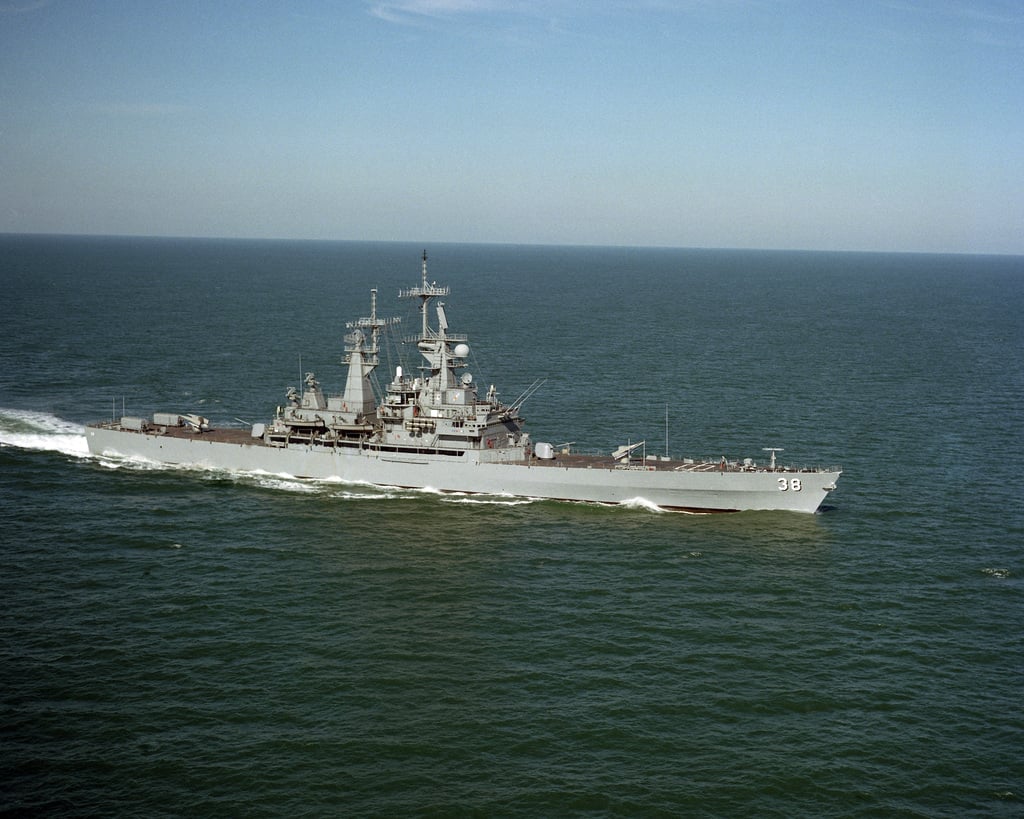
(201, 642)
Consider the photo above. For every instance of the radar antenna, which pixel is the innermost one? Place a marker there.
(425, 292)
(355, 339)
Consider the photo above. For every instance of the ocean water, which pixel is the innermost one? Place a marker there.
(190, 642)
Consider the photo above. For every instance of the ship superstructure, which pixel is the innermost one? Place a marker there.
(437, 412)
(432, 429)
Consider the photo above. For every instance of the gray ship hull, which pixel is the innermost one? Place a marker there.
(437, 430)
(669, 485)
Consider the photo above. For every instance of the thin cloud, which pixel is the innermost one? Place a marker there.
(405, 11)
(418, 11)
(996, 13)
(24, 7)
(993, 24)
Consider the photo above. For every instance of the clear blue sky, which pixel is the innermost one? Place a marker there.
(861, 125)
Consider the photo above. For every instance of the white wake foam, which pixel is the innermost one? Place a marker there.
(284, 484)
(493, 500)
(641, 503)
(27, 429)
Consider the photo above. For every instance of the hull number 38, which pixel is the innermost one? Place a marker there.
(790, 484)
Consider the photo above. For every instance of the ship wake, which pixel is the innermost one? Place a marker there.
(26, 429)
(641, 503)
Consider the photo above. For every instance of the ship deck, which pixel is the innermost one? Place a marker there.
(227, 435)
(576, 461)
(562, 460)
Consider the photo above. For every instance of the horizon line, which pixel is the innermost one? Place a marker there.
(183, 237)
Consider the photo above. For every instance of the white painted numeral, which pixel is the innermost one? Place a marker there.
(790, 484)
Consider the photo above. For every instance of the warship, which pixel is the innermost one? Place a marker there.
(434, 430)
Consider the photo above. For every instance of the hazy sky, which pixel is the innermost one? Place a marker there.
(861, 125)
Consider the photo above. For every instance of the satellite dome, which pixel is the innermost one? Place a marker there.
(461, 350)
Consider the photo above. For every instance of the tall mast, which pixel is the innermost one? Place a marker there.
(425, 292)
(423, 287)
(362, 357)
(356, 340)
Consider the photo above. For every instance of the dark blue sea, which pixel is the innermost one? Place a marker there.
(180, 642)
